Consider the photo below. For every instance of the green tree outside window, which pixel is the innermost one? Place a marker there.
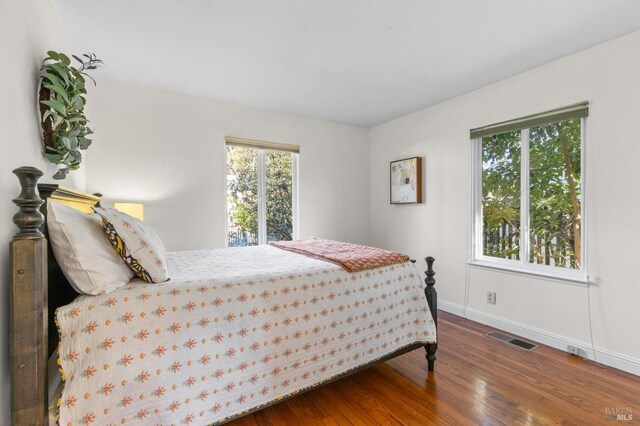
(243, 196)
(555, 200)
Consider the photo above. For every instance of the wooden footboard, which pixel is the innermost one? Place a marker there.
(432, 300)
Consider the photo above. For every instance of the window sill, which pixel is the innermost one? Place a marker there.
(579, 278)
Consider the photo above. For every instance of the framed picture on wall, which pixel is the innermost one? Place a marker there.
(406, 181)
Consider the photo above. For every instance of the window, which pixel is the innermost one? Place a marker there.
(528, 186)
(261, 192)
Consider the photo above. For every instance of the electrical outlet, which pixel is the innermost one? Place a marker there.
(573, 350)
(491, 297)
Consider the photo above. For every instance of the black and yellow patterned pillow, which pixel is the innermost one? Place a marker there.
(136, 243)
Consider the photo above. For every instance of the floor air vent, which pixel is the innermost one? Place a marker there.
(512, 341)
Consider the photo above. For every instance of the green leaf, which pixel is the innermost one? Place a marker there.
(59, 90)
(66, 159)
(62, 72)
(78, 103)
(52, 79)
(54, 158)
(73, 143)
(58, 106)
(53, 55)
(92, 79)
(81, 80)
(76, 156)
(46, 115)
(66, 142)
(84, 143)
(60, 57)
(74, 72)
(64, 59)
(61, 174)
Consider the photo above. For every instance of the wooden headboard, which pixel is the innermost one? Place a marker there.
(38, 288)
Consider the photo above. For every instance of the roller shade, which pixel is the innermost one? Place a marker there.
(256, 144)
(579, 110)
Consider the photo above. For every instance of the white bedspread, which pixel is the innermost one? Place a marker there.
(234, 329)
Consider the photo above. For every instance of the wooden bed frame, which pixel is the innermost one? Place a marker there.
(38, 288)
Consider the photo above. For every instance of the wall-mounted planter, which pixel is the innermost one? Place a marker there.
(61, 101)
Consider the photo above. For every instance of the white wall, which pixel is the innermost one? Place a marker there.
(28, 28)
(608, 77)
(167, 150)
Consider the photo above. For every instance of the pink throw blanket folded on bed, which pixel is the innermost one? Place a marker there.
(352, 257)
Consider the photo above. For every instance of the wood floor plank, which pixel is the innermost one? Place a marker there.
(477, 380)
(546, 379)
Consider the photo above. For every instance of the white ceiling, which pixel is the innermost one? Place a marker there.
(361, 62)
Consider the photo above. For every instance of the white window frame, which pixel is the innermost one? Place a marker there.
(262, 197)
(575, 276)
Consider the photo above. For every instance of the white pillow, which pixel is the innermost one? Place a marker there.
(136, 243)
(85, 256)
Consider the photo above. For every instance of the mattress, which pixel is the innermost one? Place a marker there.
(234, 329)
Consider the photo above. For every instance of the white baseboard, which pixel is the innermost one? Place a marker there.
(603, 356)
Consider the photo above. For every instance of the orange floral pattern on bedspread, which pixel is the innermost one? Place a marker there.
(352, 257)
(233, 330)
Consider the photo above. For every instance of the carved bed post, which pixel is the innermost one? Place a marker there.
(28, 310)
(432, 300)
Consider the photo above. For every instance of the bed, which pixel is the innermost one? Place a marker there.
(233, 331)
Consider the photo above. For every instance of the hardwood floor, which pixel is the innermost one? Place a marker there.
(477, 381)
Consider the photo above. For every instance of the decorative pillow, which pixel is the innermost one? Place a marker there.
(136, 243)
(83, 253)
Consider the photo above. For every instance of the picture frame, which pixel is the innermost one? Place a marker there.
(405, 181)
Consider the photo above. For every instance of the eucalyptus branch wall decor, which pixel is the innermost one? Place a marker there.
(65, 128)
